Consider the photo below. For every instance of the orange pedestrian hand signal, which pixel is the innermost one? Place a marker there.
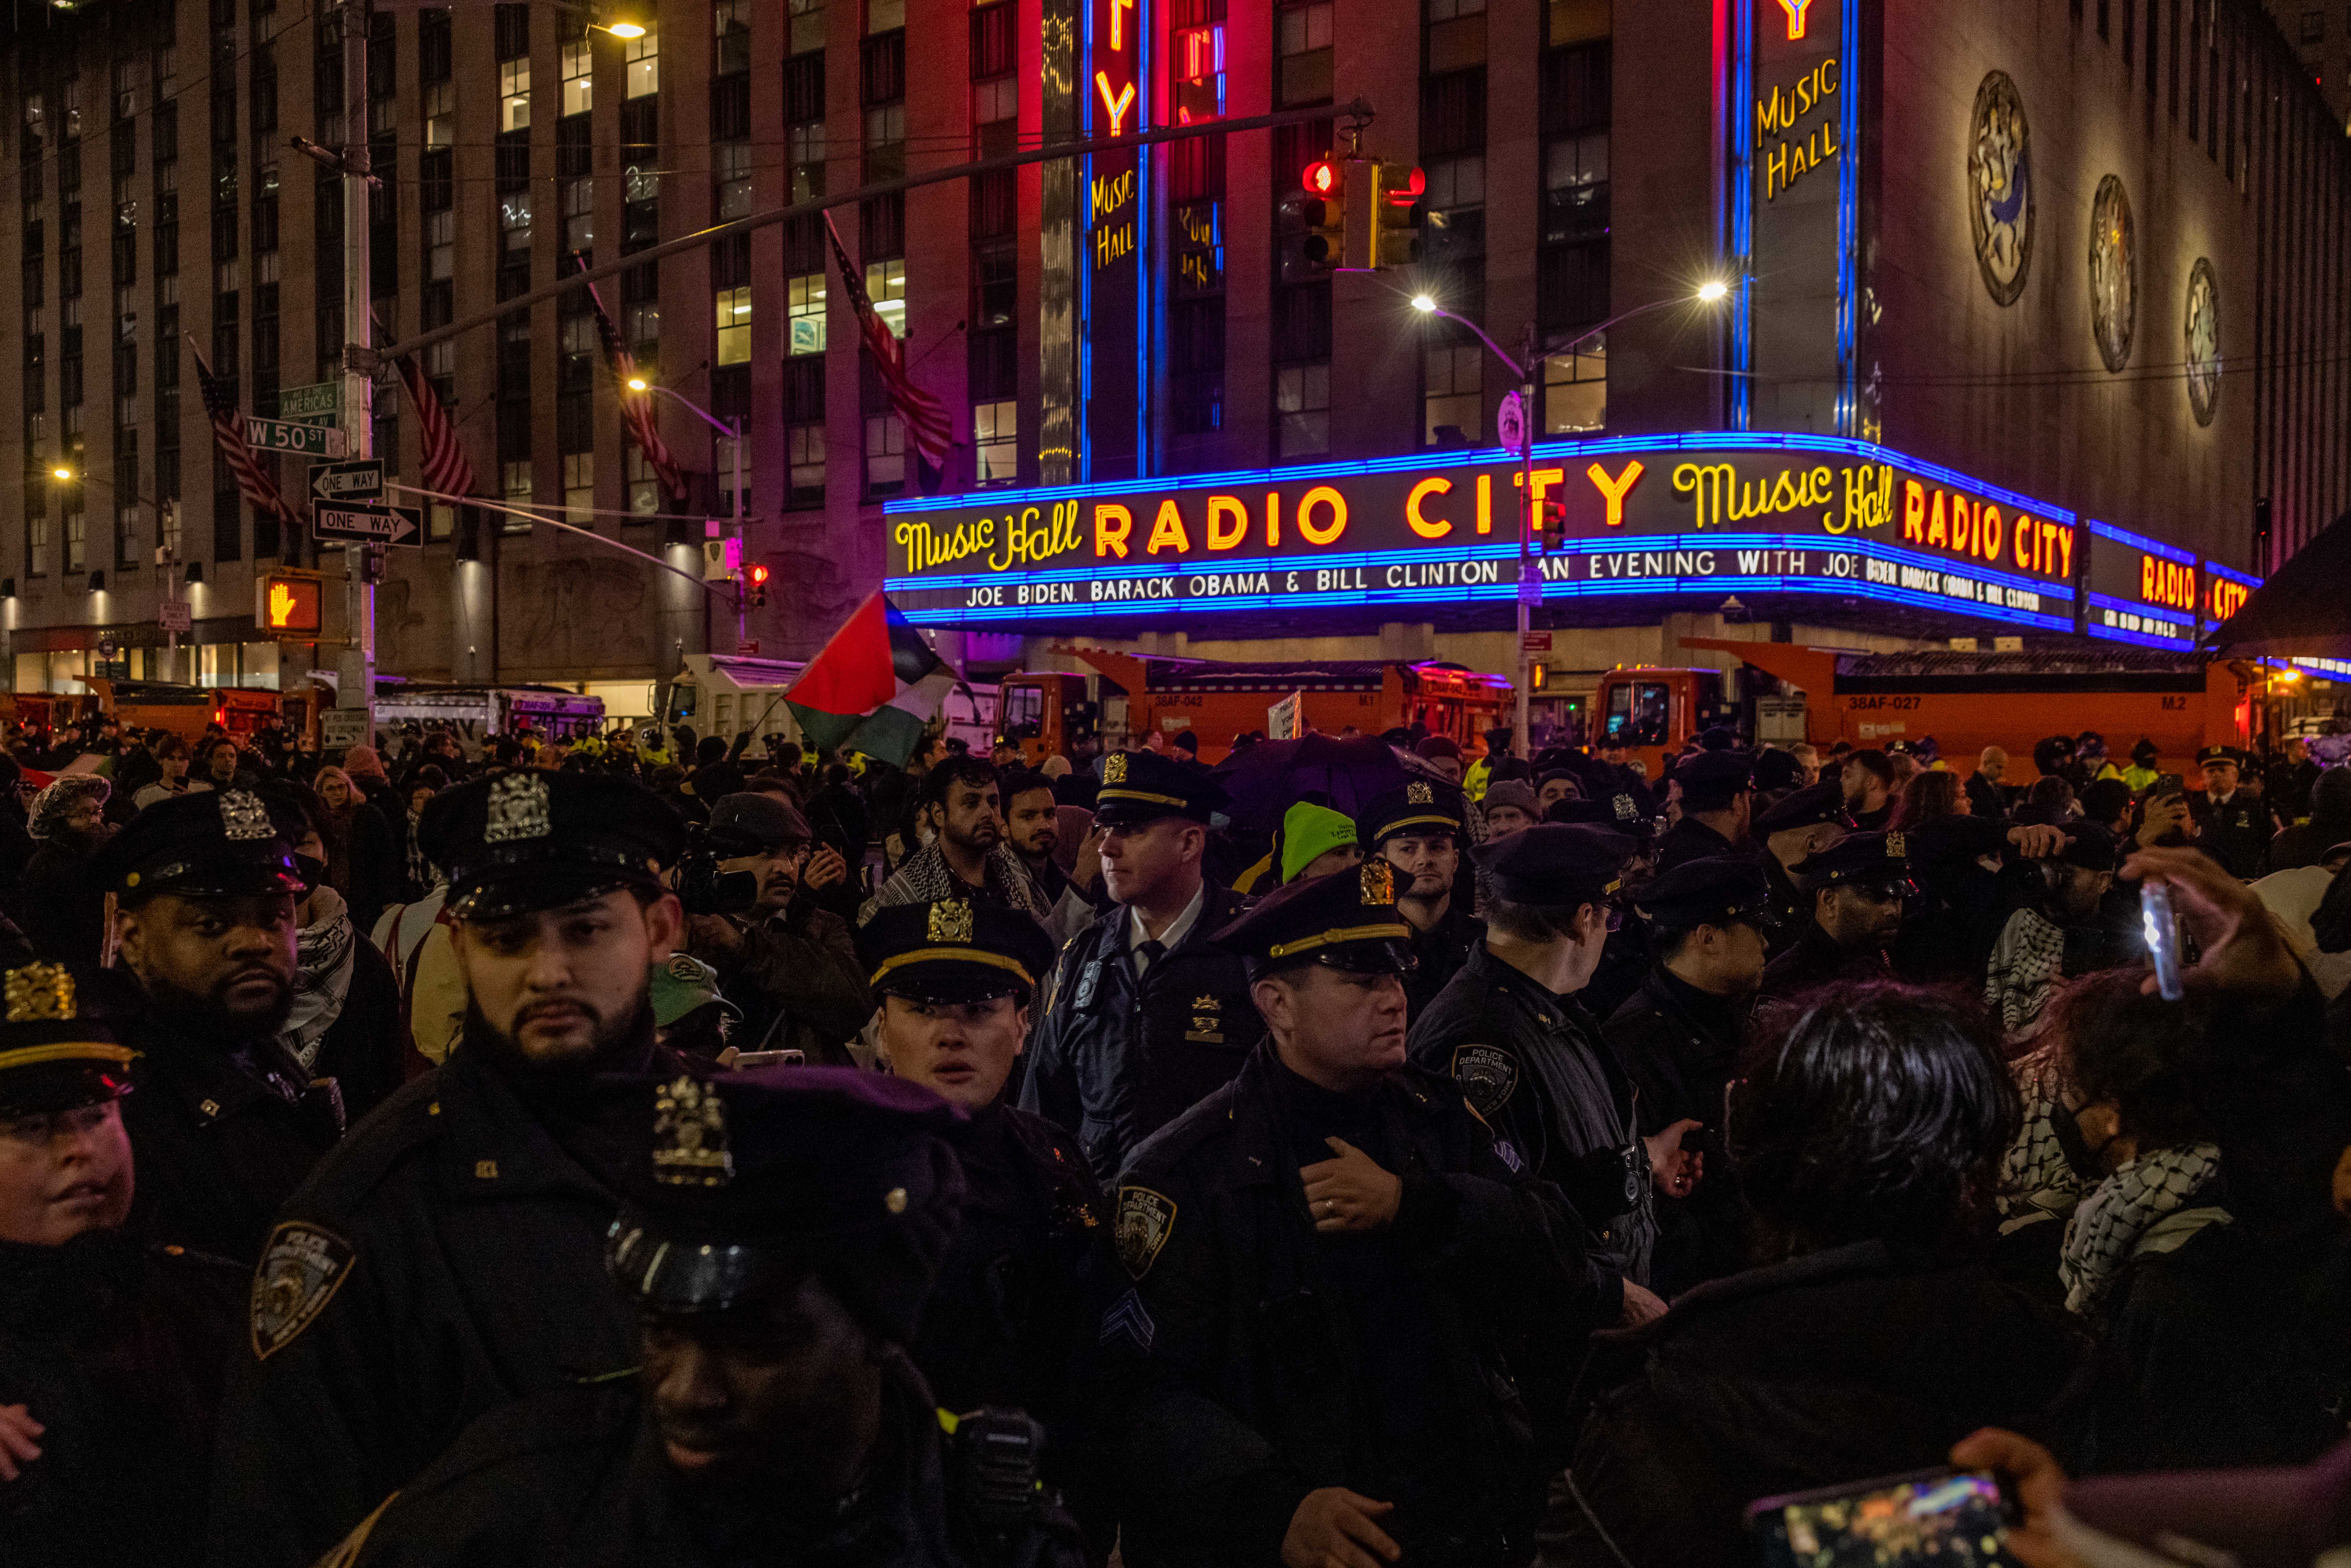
(288, 605)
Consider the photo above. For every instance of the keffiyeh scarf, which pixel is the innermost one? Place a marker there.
(322, 974)
(2106, 1230)
(2027, 962)
(2037, 1182)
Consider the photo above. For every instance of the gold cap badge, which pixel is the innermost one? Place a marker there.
(1115, 768)
(690, 1135)
(1418, 794)
(1379, 881)
(518, 809)
(951, 921)
(39, 991)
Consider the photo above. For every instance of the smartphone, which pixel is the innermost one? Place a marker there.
(750, 1059)
(2162, 926)
(1947, 1518)
(2168, 784)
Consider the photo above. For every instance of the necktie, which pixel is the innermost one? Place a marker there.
(1150, 952)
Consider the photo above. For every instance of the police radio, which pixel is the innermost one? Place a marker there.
(993, 1485)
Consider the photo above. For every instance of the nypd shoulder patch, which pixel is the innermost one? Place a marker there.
(1487, 1075)
(300, 1272)
(1145, 1219)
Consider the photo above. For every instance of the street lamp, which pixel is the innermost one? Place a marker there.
(166, 555)
(1713, 291)
(620, 29)
(733, 431)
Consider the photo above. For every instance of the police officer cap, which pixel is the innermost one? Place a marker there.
(1345, 921)
(52, 1057)
(953, 950)
(1619, 811)
(220, 843)
(526, 840)
(2221, 754)
(2091, 846)
(1422, 806)
(743, 1184)
(1139, 787)
(1712, 779)
(1880, 859)
(1807, 808)
(1715, 890)
(1555, 864)
(748, 823)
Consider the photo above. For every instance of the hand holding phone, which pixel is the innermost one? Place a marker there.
(2162, 927)
(1947, 1518)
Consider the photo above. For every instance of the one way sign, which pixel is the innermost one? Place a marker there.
(369, 524)
(358, 481)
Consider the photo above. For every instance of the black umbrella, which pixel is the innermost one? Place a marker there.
(2304, 608)
(1267, 778)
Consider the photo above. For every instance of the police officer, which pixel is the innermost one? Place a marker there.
(1010, 1323)
(1624, 959)
(1680, 1038)
(1717, 796)
(1857, 887)
(111, 1345)
(1418, 830)
(1512, 1032)
(2232, 826)
(782, 1228)
(1810, 818)
(228, 1123)
(1332, 1270)
(445, 1260)
(1143, 1016)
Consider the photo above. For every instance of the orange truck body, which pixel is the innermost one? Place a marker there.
(1043, 711)
(2181, 709)
(184, 711)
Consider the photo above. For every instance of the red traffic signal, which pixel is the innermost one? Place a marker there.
(758, 577)
(1323, 178)
(755, 580)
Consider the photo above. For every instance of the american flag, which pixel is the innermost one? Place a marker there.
(228, 431)
(636, 407)
(923, 415)
(446, 466)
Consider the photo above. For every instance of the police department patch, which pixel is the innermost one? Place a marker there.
(300, 1270)
(1486, 1075)
(1146, 1219)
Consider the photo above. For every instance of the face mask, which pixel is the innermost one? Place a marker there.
(313, 872)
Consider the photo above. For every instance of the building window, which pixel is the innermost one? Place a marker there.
(579, 79)
(730, 163)
(579, 215)
(1303, 35)
(721, 468)
(514, 489)
(995, 442)
(1453, 395)
(513, 225)
(734, 325)
(1199, 68)
(885, 285)
(644, 485)
(1448, 10)
(641, 60)
(882, 16)
(2313, 26)
(579, 488)
(514, 94)
(806, 296)
(1572, 263)
(807, 27)
(1576, 388)
(731, 20)
(440, 246)
(885, 456)
(77, 537)
(1301, 400)
(804, 449)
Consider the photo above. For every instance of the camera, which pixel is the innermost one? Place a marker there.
(703, 888)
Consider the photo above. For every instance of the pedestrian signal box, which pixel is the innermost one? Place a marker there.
(289, 605)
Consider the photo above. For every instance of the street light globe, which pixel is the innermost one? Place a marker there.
(638, 383)
(1712, 291)
(60, 473)
(625, 30)
(1423, 303)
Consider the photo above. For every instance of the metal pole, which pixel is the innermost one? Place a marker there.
(742, 550)
(357, 688)
(1520, 745)
(164, 517)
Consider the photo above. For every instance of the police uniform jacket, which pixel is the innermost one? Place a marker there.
(1115, 1059)
(119, 1347)
(1011, 1321)
(1817, 960)
(1255, 1367)
(221, 1137)
(2235, 831)
(1680, 1047)
(1691, 840)
(1792, 908)
(1535, 1070)
(575, 1478)
(1439, 954)
(448, 1259)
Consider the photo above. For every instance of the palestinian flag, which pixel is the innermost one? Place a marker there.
(872, 688)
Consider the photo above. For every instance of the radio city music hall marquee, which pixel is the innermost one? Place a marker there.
(1713, 513)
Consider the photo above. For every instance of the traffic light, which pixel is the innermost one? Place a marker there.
(1395, 207)
(754, 582)
(289, 604)
(1550, 524)
(1324, 215)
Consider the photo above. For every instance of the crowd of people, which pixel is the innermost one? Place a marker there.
(646, 1148)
